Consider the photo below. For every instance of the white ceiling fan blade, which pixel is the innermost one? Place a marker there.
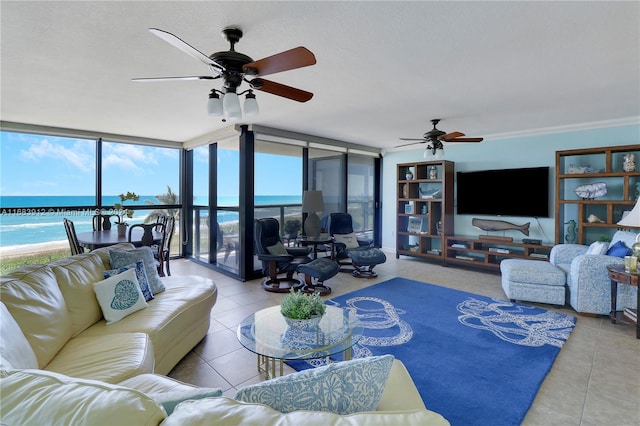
(189, 77)
(187, 48)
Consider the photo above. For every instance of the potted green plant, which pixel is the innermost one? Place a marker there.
(122, 224)
(301, 310)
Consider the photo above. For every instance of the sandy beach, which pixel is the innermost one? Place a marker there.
(11, 252)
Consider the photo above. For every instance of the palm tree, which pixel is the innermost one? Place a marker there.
(169, 198)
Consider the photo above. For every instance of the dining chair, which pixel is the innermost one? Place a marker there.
(148, 239)
(165, 248)
(75, 246)
(103, 221)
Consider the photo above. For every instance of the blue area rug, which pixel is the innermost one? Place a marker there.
(474, 359)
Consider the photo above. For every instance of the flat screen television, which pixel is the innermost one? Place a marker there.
(504, 192)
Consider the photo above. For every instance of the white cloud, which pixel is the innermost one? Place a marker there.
(131, 158)
(45, 149)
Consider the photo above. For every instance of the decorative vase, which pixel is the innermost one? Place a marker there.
(303, 324)
(122, 230)
(433, 172)
(629, 164)
(409, 176)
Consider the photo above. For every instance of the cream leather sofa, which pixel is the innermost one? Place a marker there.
(39, 397)
(56, 309)
(61, 364)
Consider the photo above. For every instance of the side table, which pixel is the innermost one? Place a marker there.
(315, 242)
(619, 276)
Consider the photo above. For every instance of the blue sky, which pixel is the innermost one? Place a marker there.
(49, 165)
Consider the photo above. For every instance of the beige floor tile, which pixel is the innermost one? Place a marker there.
(594, 381)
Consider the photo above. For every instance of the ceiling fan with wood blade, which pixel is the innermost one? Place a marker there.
(234, 67)
(435, 137)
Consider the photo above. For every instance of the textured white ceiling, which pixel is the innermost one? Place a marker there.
(384, 69)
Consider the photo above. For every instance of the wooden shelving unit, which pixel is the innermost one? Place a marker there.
(488, 253)
(424, 208)
(575, 217)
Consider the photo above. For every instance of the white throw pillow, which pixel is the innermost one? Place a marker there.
(349, 240)
(328, 388)
(598, 247)
(119, 296)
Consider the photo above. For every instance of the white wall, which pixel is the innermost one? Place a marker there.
(531, 151)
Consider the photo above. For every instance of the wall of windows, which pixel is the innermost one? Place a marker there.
(45, 178)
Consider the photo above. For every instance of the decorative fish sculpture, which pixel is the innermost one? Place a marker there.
(499, 225)
(591, 191)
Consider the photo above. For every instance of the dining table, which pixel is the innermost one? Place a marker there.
(97, 239)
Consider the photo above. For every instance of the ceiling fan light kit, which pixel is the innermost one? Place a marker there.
(434, 140)
(234, 68)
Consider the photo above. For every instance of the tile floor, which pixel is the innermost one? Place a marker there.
(594, 381)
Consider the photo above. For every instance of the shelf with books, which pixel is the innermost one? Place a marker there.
(424, 208)
(489, 253)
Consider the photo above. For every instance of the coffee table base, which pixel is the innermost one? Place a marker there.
(268, 365)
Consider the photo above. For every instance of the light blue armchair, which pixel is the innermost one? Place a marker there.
(588, 284)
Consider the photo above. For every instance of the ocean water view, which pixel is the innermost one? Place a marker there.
(24, 220)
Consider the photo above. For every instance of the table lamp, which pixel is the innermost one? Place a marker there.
(312, 203)
(632, 220)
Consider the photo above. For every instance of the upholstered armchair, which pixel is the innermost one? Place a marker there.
(276, 258)
(588, 283)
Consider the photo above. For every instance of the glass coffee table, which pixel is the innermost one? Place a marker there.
(267, 334)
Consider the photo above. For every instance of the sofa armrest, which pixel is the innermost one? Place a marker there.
(400, 392)
(589, 283)
(565, 253)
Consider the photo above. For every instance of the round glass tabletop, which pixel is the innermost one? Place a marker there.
(266, 333)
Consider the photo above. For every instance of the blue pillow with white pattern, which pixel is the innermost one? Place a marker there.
(141, 274)
(120, 258)
(342, 387)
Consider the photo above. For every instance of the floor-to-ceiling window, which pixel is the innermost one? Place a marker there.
(361, 192)
(227, 232)
(46, 178)
(326, 170)
(278, 187)
(201, 247)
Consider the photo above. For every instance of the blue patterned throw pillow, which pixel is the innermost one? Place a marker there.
(121, 258)
(343, 387)
(141, 275)
(119, 296)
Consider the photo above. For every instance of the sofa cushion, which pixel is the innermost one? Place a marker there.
(15, 351)
(110, 357)
(229, 412)
(363, 379)
(120, 258)
(119, 296)
(75, 276)
(32, 296)
(36, 397)
(167, 391)
(628, 238)
(141, 275)
(176, 320)
(619, 249)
